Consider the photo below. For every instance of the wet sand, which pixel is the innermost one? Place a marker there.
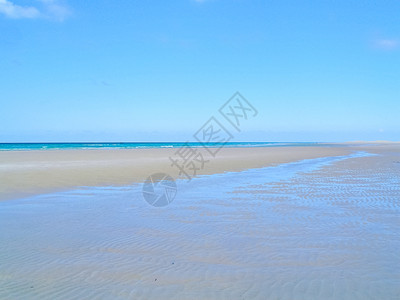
(325, 228)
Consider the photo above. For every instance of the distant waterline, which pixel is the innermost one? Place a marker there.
(143, 145)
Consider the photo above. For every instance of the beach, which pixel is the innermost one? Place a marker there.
(25, 173)
(260, 223)
(199, 149)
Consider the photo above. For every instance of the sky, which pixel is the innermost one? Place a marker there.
(105, 70)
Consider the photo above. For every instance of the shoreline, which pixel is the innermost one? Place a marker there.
(34, 172)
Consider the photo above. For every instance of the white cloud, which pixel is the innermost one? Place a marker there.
(387, 44)
(50, 9)
(55, 9)
(18, 12)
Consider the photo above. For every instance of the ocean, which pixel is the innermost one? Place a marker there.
(143, 145)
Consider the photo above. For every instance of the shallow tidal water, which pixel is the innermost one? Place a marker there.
(326, 228)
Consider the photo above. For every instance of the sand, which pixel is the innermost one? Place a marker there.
(325, 228)
(25, 173)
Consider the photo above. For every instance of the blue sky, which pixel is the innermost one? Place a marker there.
(157, 70)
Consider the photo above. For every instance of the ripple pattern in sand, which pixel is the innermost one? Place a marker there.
(330, 230)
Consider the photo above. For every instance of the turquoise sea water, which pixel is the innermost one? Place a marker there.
(144, 145)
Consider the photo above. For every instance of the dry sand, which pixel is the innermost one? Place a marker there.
(25, 173)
